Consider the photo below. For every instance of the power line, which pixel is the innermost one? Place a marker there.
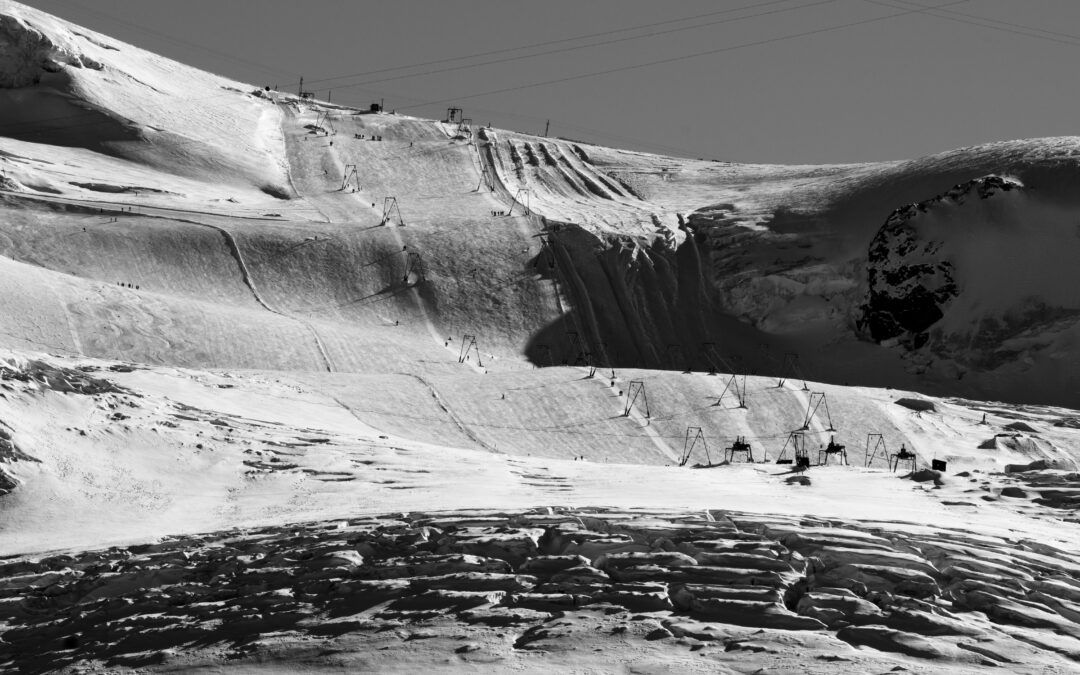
(685, 57)
(592, 74)
(550, 42)
(983, 22)
(522, 57)
(584, 46)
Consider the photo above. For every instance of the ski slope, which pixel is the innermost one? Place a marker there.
(240, 324)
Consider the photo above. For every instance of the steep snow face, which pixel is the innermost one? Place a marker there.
(64, 85)
(26, 54)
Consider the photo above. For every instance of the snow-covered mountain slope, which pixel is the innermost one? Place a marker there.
(981, 279)
(304, 509)
(624, 258)
(64, 85)
(261, 312)
(104, 452)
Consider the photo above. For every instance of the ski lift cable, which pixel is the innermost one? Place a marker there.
(361, 84)
(983, 22)
(591, 45)
(548, 42)
(675, 59)
(559, 429)
(684, 57)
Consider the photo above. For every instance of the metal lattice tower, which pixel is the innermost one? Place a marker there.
(468, 345)
(737, 389)
(390, 207)
(817, 402)
(875, 446)
(350, 172)
(693, 435)
(414, 264)
(605, 360)
(324, 116)
(577, 346)
(791, 369)
(717, 363)
(634, 393)
(518, 199)
(796, 440)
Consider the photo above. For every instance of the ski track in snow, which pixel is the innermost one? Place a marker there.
(361, 532)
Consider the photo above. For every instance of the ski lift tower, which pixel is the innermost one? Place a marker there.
(791, 369)
(736, 388)
(350, 173)
(635, 392)
(796, 440)
(693, 435)
(577, 347)
(390, 207)
(814, 405)
(875, 447)
(468, 346)
(520, 197)
(414, 265)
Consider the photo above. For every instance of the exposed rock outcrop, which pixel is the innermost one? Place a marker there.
(911, 279)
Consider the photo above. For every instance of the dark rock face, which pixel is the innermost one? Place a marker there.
(910, 280)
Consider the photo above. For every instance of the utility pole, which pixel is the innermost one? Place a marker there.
(301, 89)
(547, 128)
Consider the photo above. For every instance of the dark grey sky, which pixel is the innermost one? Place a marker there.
(800, 91)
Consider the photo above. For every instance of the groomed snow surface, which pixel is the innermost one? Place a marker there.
(284, 386)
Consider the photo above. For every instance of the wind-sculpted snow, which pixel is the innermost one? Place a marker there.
(26, 54)
(501, 589)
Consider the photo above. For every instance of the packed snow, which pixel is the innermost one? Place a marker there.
(285, 384)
